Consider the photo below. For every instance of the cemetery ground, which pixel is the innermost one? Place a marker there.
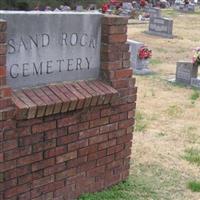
(165, 163)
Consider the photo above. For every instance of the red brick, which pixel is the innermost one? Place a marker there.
(77, 145)
(10, 134)
(116, 134)
(54, 169)
(44, 145)
(1, 157)
(47, 188)
(126, 123)
(111, 65)
(29, 159)
(26, 195)
(109, 128)
(88, 150)
(18, 152)
(38, 128)
(66, 157)
(99, 122)
(19, 171)
(114, 20)
(43, 164)
(9, 144)
(76, 162)
(16, 190)
(78, 127)
(30, 140)
(105, 160)
(67, 139)
(116, 38)
(96, 155)
(88, 133)
(42, 181)
(87, 166)
(3, 49)
(2, 69)
(98, 139)
(65, 174)
(115, 149)
(55, 152)
(114, 29)
(123, 154)
(114, 164)
(105, 145)
(67, 121)
(30, 122)
(28, 178)
(7, 185)
(123, 73)
(5, 92)
(96, 171)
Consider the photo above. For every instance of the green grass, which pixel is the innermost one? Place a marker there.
(141, 123)
(147, 182)
(194, 96)
(127, 190)
(194, 186)
(155, 61)
(192, 155)
(174, 111)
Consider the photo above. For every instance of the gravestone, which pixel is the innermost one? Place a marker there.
(195, 82)
(153, 12)
(185, 8)
(136, 63)
(41, 52)
(79, 8)
(185, 71)
(161, 26)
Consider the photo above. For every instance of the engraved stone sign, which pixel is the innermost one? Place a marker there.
(46, 47)
(185, 71)
(161, 26)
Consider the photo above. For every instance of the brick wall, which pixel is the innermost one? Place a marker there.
(62, 156)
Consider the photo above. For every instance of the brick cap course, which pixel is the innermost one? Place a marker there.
(62, 97)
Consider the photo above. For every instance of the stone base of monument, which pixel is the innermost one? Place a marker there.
(142, 68)
(159, 34)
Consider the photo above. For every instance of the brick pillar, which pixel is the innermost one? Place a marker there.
(115, 58)
(6, 109)
(7, 125)
(115, 70)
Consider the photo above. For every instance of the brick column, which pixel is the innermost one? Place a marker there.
(115, 58)
(115, 70)
(6, 109)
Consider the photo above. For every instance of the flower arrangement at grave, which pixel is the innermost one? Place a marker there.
(144, 53)
(196, 56)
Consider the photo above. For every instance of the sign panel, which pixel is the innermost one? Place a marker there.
(47, 47)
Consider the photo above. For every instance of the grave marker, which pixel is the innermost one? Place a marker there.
(136, 63)
(185, 71)
(161, 26)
